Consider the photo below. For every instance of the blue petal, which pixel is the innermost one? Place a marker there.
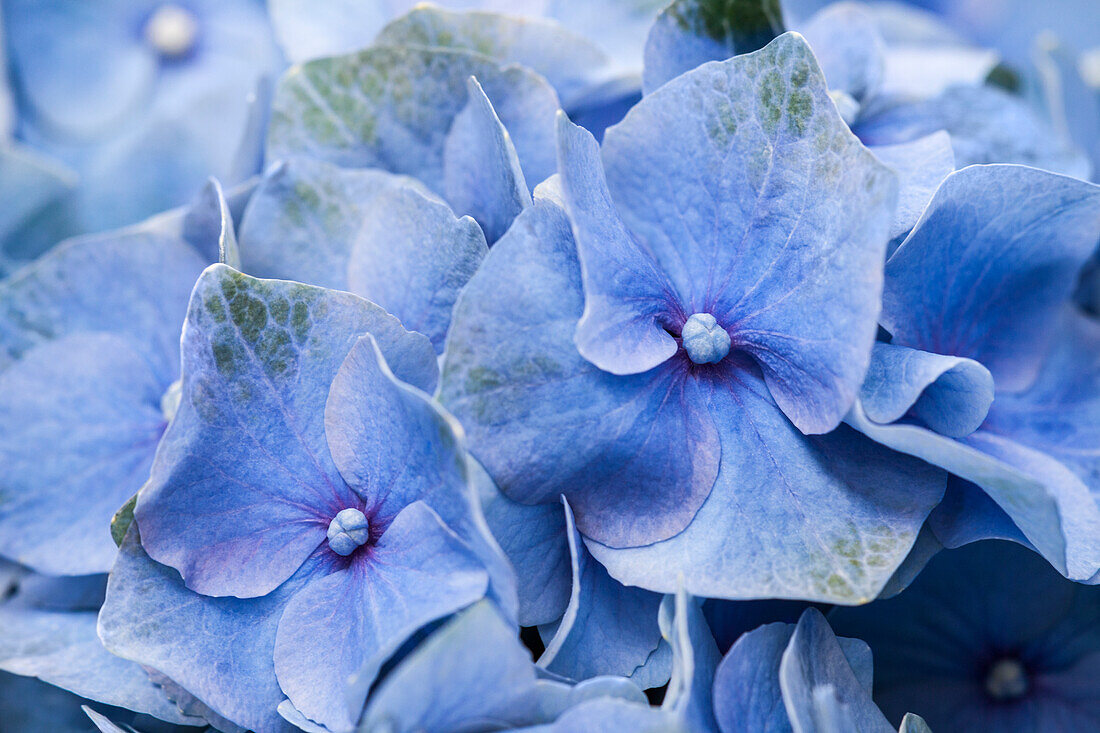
(51, 43)
(849, 48)
(411, 257)
(417, 572)
(482, 173)
(91, 403)
(765, 211)
(968, 514)
(688, 33)
(695, 659)
(609, 715)
(607, 628)
(208, 226)
(921, 165)
(628, 301)
(29, 183)
(305, 217)
(62, 648)
(571, 63)
(948, 394)
(472, 670)
(747, 688)
(635, 456)
(987, 268)
(307, 29)
(376, 122)
(920, 71)
(533, 538)
(986, 125)
(218, 649)
(134, 283)
(824, 518)
(243, 487)
(813, 659)
(1060, 413)
(1050, 505)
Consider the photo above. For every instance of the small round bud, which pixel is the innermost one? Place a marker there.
(172, 30)
(347, 531)
(1006, 679)
(704, 340)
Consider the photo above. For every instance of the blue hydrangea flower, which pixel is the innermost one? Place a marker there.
(307, 512)
(89, 362)
(988, 637)
(739, 194)
(141, 100)
(989, 372)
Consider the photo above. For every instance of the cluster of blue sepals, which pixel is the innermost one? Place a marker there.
(592, 367)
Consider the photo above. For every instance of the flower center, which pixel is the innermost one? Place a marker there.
(348, 530)
(704, 340)
(170, 400)
(172, 30)
(1006, 679)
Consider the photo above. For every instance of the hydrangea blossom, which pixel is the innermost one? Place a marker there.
(734, 357)
(305, 506)
(652, 448)
(937, 651)
(141, 101)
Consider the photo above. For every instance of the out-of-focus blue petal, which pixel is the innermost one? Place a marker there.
(849, 48)
(836, 513)
(401, 102)
(688, 33)
(628, 301)
(52, 44)
(986, 125)
(61, 647)
(935, 647)
(921, 166)
(304, 220)
(987, 268)
(916, 72)
(418, 571)
(530, 402)
(482, 171)
(469, 672)
(570, 62)
(1060, 413)
(814, 659)
(534, 540)
(218, 649)
(80, 418)
(949, 394)
(412, 256)
(29, 183)
(607, 628)
(134, 283)
(766, 166)
(244, 487)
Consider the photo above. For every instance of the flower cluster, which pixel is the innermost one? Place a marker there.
(709, 367)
